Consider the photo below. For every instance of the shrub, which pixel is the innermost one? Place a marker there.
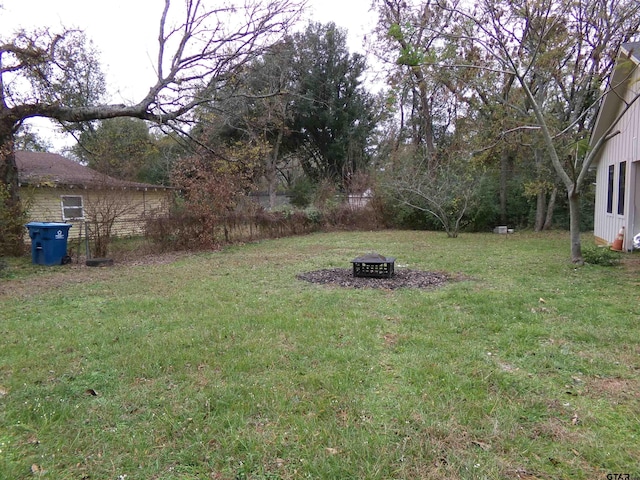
(314, 215)
(179, 231)
(302, 192)
(12, 219)
(601, 256)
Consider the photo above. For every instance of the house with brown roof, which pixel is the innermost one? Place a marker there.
(57, 189)
(618, 162)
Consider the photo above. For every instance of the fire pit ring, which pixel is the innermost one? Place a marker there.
(373, 265)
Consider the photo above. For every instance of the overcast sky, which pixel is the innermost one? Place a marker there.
(130, 26)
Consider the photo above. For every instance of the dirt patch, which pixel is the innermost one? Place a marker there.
(343, 277)
(631, 265)
(613, 388)
(78, 273)
(555, 429)
(133, 259)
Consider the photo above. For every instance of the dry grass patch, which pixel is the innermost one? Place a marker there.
(615, 389)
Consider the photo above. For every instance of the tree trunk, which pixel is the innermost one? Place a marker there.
(11, 210)
(541, 196)
(272, 170)
(574, 214)
(426, 118)
(541, 209)
(548, 221)
(504, 177)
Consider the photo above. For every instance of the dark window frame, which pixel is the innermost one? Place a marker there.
(610, 188)
(622, 184)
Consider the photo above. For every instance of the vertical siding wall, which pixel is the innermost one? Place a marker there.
(621, 148)
(131, 207)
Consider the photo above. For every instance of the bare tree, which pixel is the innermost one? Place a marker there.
(447, 190)
(559, 53)
(409, 40)
(103, 211)
(56, 76)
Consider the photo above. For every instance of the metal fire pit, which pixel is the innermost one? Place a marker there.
(373, 265)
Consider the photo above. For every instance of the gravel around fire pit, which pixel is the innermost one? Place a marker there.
(403, 278)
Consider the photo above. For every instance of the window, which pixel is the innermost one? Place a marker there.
(72, 208)
(610, 189)
(622, 180)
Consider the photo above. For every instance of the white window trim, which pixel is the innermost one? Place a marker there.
(62, 206)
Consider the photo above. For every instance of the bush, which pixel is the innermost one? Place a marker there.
(180, 231)
(302, 192)
(183, 231)
(314, 215)
(601, 256)
(12, 219)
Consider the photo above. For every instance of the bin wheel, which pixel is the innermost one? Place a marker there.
(66, 260)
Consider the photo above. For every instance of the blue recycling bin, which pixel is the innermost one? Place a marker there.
(48, 242)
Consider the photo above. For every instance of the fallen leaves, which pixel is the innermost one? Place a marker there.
(343, 277)
(575, 419)
(482, 445)
(541, 308)
(37, 470)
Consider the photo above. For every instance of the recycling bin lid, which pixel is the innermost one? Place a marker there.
(47, 224)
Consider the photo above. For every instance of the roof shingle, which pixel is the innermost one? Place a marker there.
(53, 170)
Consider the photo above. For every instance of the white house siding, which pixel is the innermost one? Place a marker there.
(623, 147)
(133, 206)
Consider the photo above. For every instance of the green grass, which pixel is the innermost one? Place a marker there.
(224, 365)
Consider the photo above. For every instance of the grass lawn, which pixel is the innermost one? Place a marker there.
(224, 365)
